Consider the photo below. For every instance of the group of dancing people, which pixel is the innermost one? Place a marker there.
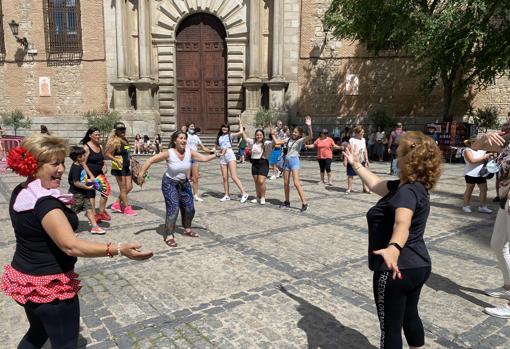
(41, 276)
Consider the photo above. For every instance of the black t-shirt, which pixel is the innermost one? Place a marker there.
(36, 253)
(76, 173)
(95, 161)
(381, 219)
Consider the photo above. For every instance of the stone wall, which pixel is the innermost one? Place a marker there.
(385, 82)
(75, 86)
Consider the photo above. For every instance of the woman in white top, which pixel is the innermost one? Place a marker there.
(260, 150)
(228, 160)
(176, 187)
(357, 146)
(192, 144)
(474, 163)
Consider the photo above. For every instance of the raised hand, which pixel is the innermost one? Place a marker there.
(351, 155)
(308, 120)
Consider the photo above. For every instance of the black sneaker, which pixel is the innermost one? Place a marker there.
(285, 204)
(304, 207)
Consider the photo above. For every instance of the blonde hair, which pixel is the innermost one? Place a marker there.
(358, 129)
(113, 140)
(45, 147)
(421, 159)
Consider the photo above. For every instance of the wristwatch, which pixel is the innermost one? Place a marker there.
(399, 248)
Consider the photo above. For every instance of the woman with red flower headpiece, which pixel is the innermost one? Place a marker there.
(41, 276)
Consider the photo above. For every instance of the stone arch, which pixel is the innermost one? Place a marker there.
(170, 13)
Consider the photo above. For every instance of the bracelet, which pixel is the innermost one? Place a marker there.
(118, 250)
(399, 248)
(108, 253)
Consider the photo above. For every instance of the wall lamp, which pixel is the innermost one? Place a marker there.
(15, 31)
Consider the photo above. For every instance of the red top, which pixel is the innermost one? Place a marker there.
(324, 148)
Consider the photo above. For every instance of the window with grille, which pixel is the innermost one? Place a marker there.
(63, 26)
(2, 43)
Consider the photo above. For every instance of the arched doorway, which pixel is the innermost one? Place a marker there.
(201, 72)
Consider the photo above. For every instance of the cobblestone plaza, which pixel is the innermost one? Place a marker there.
(222, 290)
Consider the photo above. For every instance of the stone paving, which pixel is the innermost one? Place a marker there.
(222, 290)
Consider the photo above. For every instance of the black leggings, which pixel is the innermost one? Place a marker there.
(59, 321)
(397, 306)
(325, 164)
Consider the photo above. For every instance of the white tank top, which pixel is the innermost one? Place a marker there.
(178, 169)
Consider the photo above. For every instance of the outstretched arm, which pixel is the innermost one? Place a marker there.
(241, 131)
(308, 122)
(376, 184)
(153, 159)
(201, 157)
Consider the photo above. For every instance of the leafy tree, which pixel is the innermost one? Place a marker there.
(380, 118)
(266, 117)
(103, 121)
(16, 120)
(456, 43)
(487, 117)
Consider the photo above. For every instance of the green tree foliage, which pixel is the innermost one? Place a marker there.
(380, 118)
(16, 120)
(266, 117)
(103, 121)
(487, 117)
(456, 43)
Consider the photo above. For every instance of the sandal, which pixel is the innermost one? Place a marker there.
(191, 233)
(171, 242)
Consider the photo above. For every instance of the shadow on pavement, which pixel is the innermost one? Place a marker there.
(323, 330)
(440, 283)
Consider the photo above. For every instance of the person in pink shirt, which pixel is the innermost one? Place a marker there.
(324, 145)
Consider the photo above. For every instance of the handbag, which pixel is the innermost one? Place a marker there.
(489, 169)
(135, 171)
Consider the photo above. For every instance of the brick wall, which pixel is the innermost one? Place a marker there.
(75, 88)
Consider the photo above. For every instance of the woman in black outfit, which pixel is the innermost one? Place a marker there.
(94, 161)
(396, 224)
(41, 276)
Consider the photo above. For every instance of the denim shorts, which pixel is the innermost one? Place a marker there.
(275, 154)
(291, 163)
(229, 156)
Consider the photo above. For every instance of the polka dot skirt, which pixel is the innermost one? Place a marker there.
(39, 289)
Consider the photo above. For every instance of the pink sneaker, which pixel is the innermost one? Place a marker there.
(115, 207)
(128, 211)
(97, 230)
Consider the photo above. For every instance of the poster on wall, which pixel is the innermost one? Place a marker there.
(44, 86)
(351, 85)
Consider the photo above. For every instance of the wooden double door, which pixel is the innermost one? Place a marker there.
(201, 59)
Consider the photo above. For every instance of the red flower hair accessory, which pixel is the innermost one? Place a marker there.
(21, 161)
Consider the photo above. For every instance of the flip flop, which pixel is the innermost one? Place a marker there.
(171, 242)
(191, 233)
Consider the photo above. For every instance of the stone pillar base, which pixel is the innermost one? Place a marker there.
(277, 89)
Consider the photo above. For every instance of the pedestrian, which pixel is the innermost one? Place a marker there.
(228, 160)
(260, 150)
(280, 134)
(358, 147)
(80, 189)
(346, 135)
(148, 147)
(157, 143)
(94, 162)
(175, 184)
(337, 137)
(193, 142)
(474, 162)
(291, 164)
(242, 147)
(41, 275)
(324, 145)
(500, 241)
(398, 255)
(118, 151)
(138, 144)
(380, 139)
(393, 143)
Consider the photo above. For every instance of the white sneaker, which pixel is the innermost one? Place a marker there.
(501, 312)
(278, 173)
(225, 198)
(262, 201)
(499, 292)
(198, 198)
(254, 201)
(466, 209)
(244, 197)
(273, 177)
(484, 209)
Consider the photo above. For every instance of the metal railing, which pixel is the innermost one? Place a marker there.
(62, 26)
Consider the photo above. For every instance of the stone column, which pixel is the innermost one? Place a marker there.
(144, 44)
(120, 40)
(254, 68)
(278, 22)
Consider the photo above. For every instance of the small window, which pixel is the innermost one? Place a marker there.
(62, 26)
(2, 43)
